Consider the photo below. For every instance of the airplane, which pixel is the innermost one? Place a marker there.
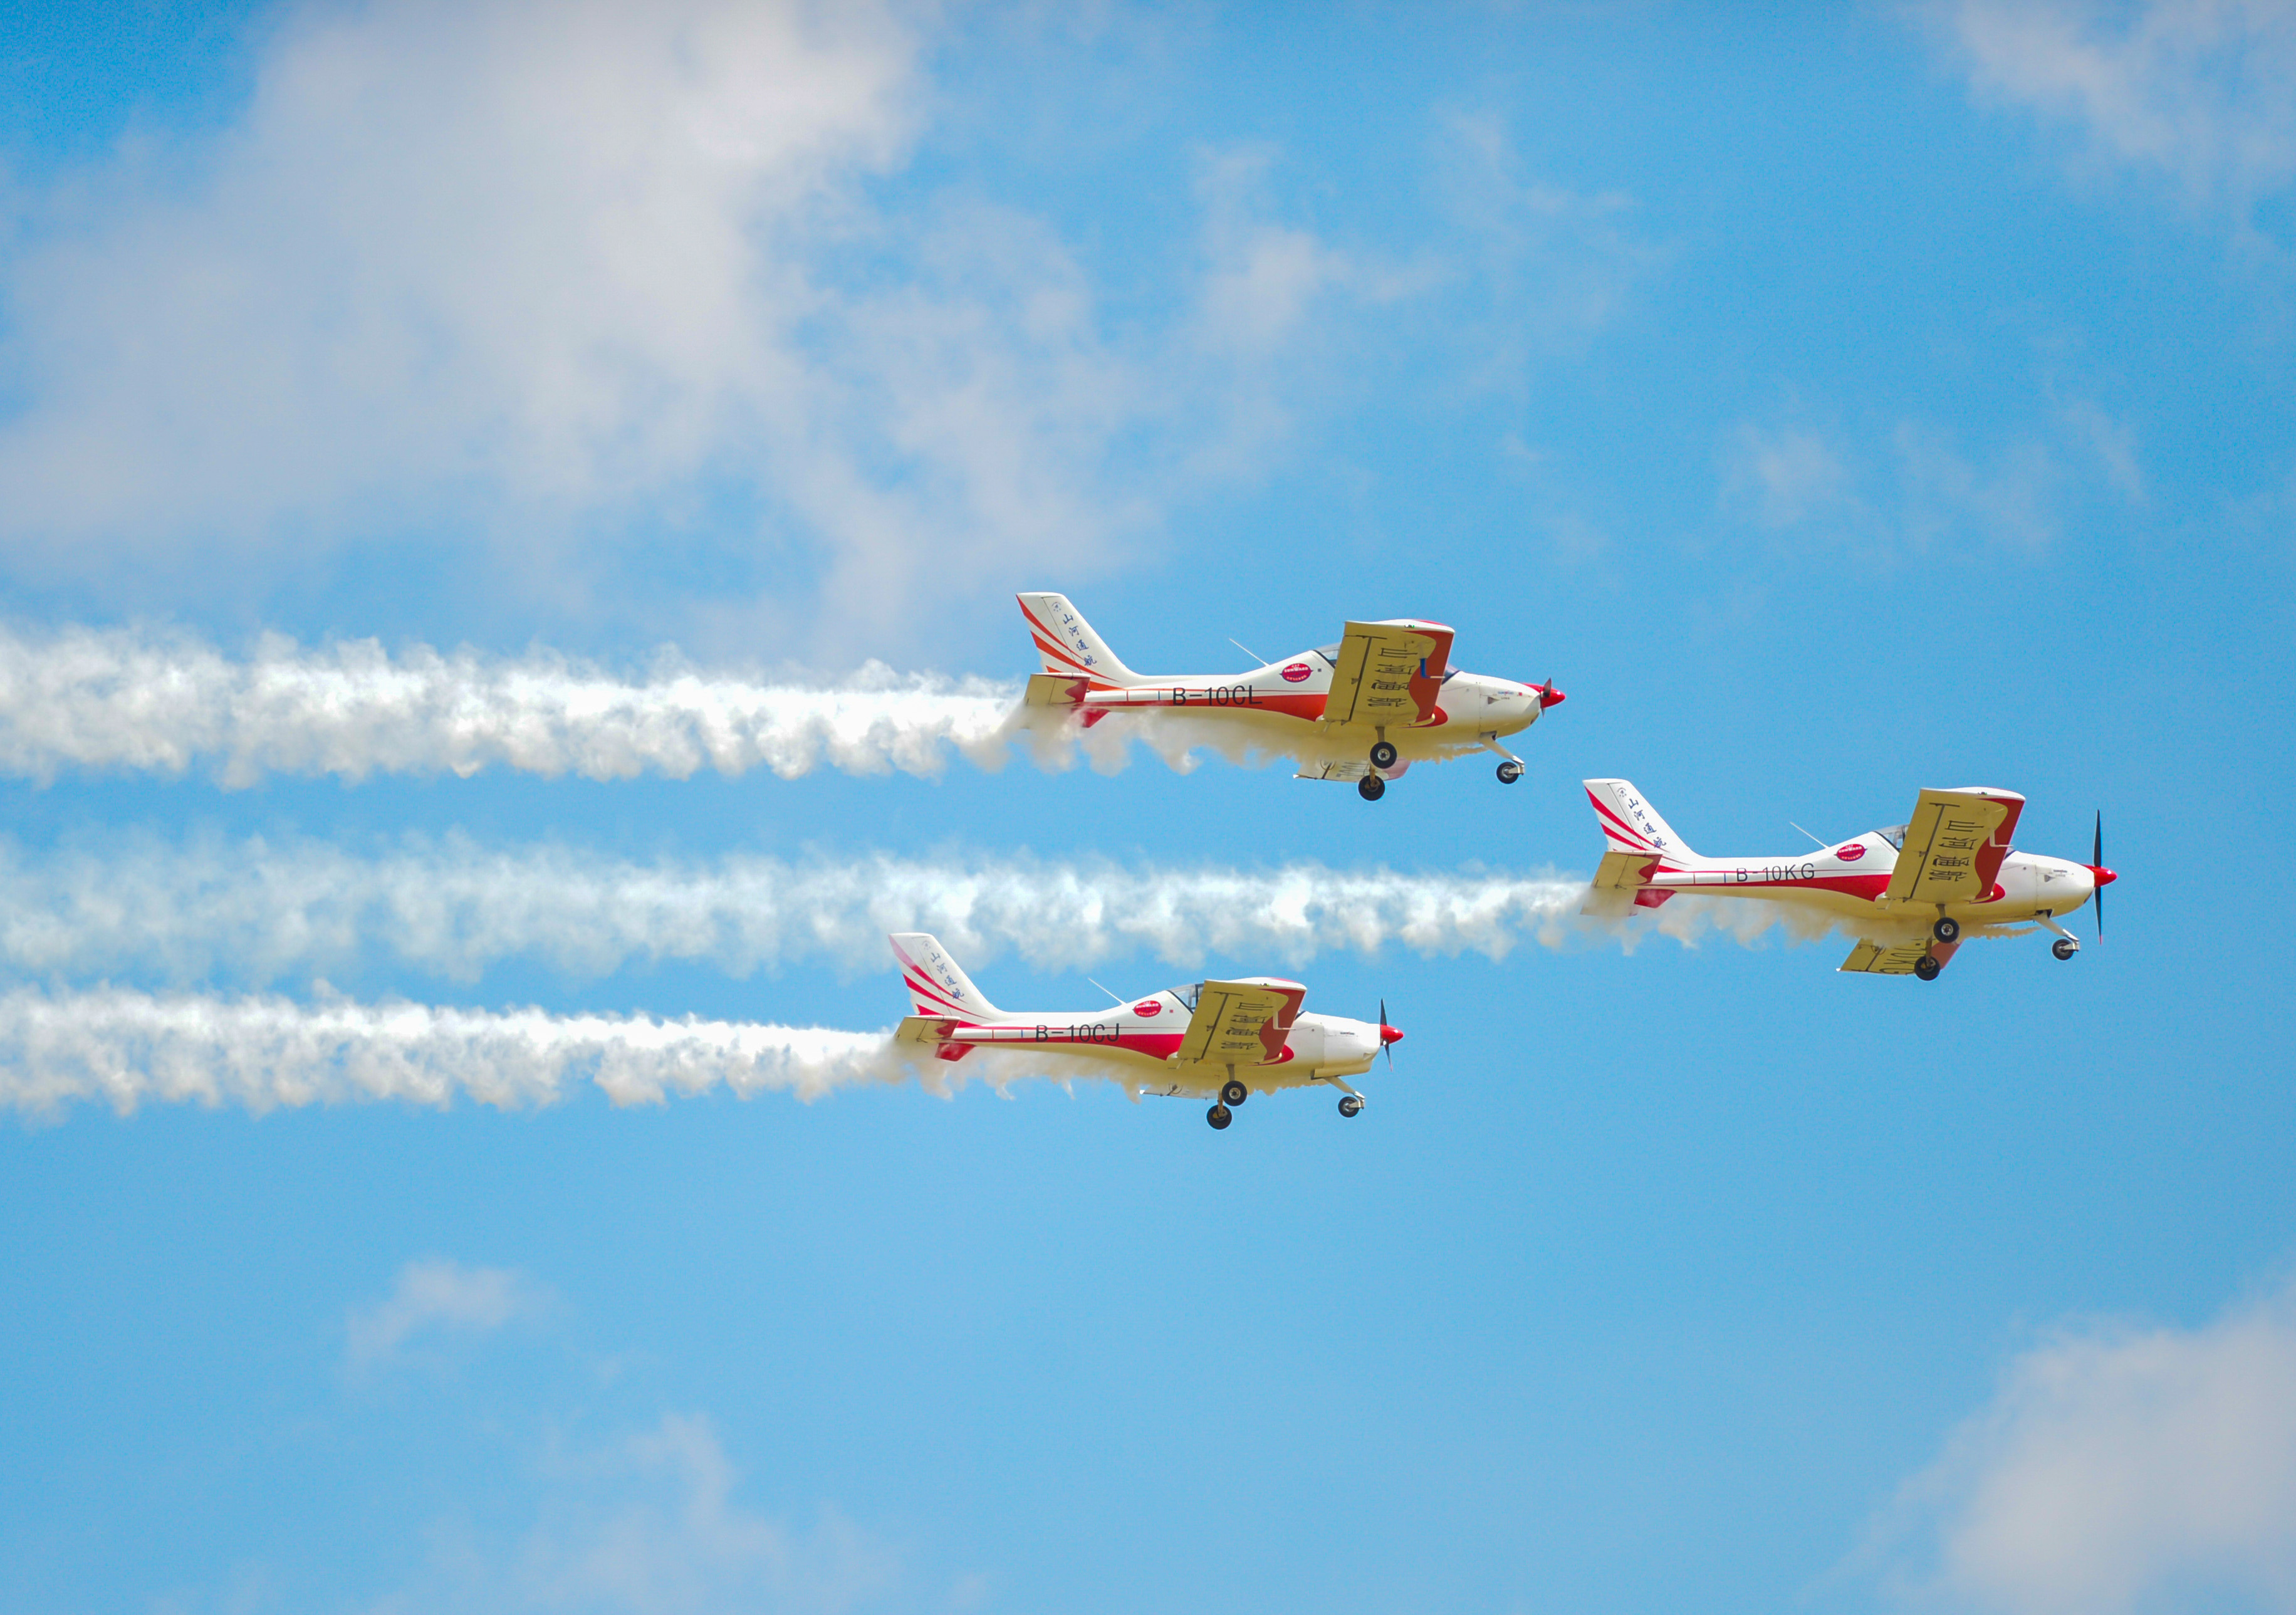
(1911, 891)
(1387, 684)
(1227, 1039)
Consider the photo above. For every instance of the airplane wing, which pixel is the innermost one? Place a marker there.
(1239, 1023)
(1875, 960)
(1954, 846)
(1898, 958)
(1388, 673)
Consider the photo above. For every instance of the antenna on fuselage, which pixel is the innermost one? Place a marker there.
(1258, 661)
(1112, 997)
(1811, 836)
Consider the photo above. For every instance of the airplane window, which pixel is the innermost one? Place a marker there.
(1330, 653)
(1895, 835)
(1187, 995)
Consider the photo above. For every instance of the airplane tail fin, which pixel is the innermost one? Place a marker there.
(1068, 644)
(938, 987)
(1630, 823)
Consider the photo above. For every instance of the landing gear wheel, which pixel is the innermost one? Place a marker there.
(1234, 1093)
(1370, 787)
(1946, 929)
(2065, 947)
(1219, 1116)
(1510, 771)
(1349, 1105)
(1382, 755)
(1927, 968)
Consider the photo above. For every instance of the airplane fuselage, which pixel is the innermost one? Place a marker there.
(1466, 710)
(1852, 878)
(1147, 1034)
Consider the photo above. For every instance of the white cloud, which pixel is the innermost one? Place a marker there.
(1555, 265)
(2119, 1468)
(654, 1527)
(606, 302)
(1922, 489)
(1789, 475)
(2201, 91)
(441, 1296)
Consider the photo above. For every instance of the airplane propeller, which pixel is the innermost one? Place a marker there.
(1388, 1036)
(1548, 695)
(2099, 874)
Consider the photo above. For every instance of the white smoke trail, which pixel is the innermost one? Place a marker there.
(256, 911)
(134, 700)
(127, 1049)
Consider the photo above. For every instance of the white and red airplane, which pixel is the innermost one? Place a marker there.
(1364, 709)
(1910, 892)
(1226, 1040)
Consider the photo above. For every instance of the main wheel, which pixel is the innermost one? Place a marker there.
(1219, 1116)
(1947, 930)
(1349, 1105)
(1927, 968)
(2065, 947)
(1370, 787)
(1382, 755)
(1234, 1093)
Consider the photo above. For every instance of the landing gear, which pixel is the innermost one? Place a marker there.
(1926, 967)
(2065, 947)
(1946, 929)
(1219, 1116)
(1234, 1093)
(1382, 755)
(1510, 771)
(1370, 787)
(1349, 1105)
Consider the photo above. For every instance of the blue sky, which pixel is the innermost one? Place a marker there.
(1871, 398)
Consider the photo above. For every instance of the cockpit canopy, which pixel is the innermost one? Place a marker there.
(1895, 835)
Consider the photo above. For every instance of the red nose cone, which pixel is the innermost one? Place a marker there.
(1391, 1033)
(2103, 876)
(1551, 697)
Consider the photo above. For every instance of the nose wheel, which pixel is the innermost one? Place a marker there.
(1349, 1105)
(1927, 968)
(2065, 947)
(1370, 787)
(1219, 1116)
(1234, 1093)
(1510, 771)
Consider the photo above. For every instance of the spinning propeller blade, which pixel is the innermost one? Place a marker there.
(1388, 1035)
(2096, 861)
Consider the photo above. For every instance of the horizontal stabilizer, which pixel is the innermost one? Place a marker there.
(1624, 871)
(1055, 690)
(922, 1029)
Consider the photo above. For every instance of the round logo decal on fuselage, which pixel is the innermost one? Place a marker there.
(1147, 1007)
(1849, 854)
(1296, 671)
